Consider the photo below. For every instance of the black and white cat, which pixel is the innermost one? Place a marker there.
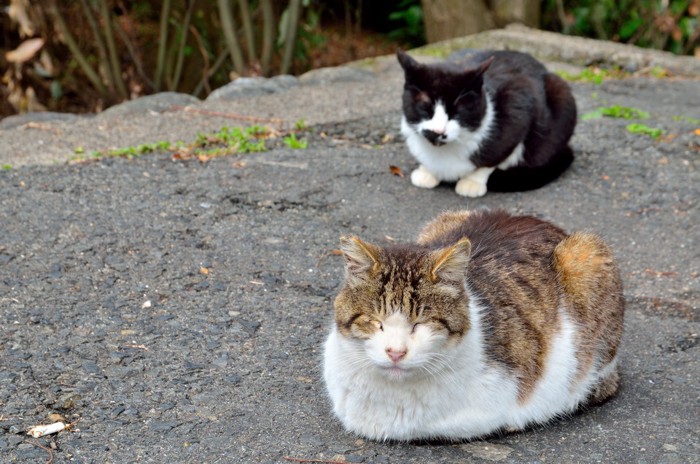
(503, 121)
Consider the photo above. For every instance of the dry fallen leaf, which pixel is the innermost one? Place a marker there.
(204, 270)
(660, 273)
(696, 131)
(25, 51)
(395, 170)
(39, 431)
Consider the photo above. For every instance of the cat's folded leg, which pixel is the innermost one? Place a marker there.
(421, 177)
(474, 184)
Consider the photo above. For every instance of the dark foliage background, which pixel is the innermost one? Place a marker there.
(86, 55)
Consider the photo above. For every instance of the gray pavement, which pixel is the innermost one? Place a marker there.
(176, 309)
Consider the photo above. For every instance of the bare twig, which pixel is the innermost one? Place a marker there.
(48, 450)
(183, 41)
(325, 461)
(162, 43)
(138, 63)
(112, 49)
(228, 24)
(268, 37)
(204, 81)
(140, 347)
(248, 30)
(75, 49)
(101, 49)
(561, 15)
(290, 41)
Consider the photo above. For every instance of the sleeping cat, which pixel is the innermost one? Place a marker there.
(489, 322)
(504, 122)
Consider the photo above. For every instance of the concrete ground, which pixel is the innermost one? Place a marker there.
(176, 310)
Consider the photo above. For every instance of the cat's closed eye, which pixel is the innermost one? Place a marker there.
(425, 111)
(466, 98)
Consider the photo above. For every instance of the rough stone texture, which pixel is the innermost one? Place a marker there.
(549, 46)
(335, 75)
(16, 120)
(177, 309)
(252, 87)
(149, 104)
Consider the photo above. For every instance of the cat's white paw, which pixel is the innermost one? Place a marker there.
(421, 177)
(469, 187)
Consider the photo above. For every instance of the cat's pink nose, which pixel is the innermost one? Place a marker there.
(397, 354)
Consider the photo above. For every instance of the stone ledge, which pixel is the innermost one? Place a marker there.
(551, 46)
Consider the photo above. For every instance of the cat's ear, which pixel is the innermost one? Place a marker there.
(450, 263)
(476, 75)
(407, 63)
(481, 69)
(360, 258)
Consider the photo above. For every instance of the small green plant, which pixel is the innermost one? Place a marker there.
(593, 75)
(6, 167)
(300, 125)
(637, 128)
(669, 25)
(229, 140)
(292, 142)
(616, 111)
(139, 150)
(226, 141)
(408, 21)
(79, 150)
(689, 119)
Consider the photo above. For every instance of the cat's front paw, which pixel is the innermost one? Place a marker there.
(468, 187)
(421, 177)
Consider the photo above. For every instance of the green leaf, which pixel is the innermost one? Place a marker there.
(596, 114)
(637, 128)
(630, 27)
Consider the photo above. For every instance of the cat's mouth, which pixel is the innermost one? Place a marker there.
(438, 139)
(395, 371)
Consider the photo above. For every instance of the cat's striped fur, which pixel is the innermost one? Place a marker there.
(488, 322)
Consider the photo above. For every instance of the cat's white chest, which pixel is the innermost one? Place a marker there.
(450, 161)
(466, 398)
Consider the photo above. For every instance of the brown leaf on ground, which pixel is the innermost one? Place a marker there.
(395, 170)
(660, 273)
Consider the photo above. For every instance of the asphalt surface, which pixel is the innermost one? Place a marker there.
(176, 310)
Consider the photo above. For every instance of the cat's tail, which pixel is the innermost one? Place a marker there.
(551, 154)
(521, 178)
(591, 281)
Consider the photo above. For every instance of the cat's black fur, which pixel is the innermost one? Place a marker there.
(531, 105)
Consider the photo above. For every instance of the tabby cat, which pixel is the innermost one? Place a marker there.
(502, 122)
(489, 322)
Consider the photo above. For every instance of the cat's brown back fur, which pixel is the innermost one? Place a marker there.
(528, 269)
(593, 286)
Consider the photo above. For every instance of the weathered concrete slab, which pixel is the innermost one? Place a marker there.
(177, 309)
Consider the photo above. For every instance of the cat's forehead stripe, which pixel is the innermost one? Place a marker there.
(438, 122)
